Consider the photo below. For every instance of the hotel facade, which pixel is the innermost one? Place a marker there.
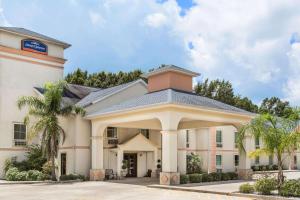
(159, 122)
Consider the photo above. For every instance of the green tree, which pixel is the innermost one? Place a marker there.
(102, 79)
(222, 90)
(78, 77)
(275, 106)
(279, 136)
(46, 112)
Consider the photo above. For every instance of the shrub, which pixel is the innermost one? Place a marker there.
(71, 177)
(35, 158)
(195, 178)
(184, 179)
(11, 174)
(233, 175)
(275, 167)
(290, 188)
(225, 177)
(22, 176)
(35, 175)
(205, 177)
(246, 188)
(194, 163)
(265, 185)
(216, 176)
(46, 169)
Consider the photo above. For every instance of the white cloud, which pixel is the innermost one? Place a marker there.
(156, 20)
(292, 87)
(96, 18)
(3, 20)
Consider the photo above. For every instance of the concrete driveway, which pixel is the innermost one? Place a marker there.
(99, 191)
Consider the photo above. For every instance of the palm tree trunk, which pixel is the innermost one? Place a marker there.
(280, 176)
(53, 175)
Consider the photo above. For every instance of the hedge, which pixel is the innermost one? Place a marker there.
(265, 185)
(204, 177)
(71, 177)
(184, 179)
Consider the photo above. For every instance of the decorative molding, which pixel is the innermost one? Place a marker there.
(75, 147)
(14, 149)
(31, 61)
(32, 55)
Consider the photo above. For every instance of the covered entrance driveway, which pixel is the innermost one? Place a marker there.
(169, 118)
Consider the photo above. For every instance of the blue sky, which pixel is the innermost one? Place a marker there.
(255, 44)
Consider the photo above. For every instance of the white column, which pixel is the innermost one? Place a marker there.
(169, 174)
(169, 151)
(120, 155)
(182, 151)
(97, 171)
(244, 170)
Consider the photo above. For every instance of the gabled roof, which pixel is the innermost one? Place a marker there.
(138, 143)
(170, 96)
(167, 68)
(32, 34)
(100, 94)
(72, 93)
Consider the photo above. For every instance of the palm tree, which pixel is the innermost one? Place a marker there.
(45, 113)
(280, 137)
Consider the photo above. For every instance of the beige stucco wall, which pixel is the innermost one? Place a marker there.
(17, 78)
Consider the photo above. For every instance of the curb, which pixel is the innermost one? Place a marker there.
(38, 182)
(237, 194)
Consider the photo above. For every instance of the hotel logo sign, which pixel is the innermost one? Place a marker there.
(34, 46)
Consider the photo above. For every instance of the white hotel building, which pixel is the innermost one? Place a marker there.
(143, 123)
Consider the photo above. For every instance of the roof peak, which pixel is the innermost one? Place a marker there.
(169, 67)
(29, 33)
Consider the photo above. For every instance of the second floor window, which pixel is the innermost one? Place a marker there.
(219, 139)
(187, 139)
(112, 135)
(20, 134)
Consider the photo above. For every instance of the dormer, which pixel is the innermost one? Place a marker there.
(170, 77)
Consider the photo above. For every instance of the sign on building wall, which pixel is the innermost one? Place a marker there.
(34, 46)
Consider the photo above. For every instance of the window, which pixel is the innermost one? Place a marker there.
(235, 139)
(271, 160)
(257, 143)
(295, 161)
(219, 170)
(145, 132)
(112, 136)
(63, 164)
(187, 138)
(219, 138)
(236, 160)
(218, 161)
(20, 134)
(257, 160)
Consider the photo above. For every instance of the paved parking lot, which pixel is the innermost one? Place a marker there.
(99, 191)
